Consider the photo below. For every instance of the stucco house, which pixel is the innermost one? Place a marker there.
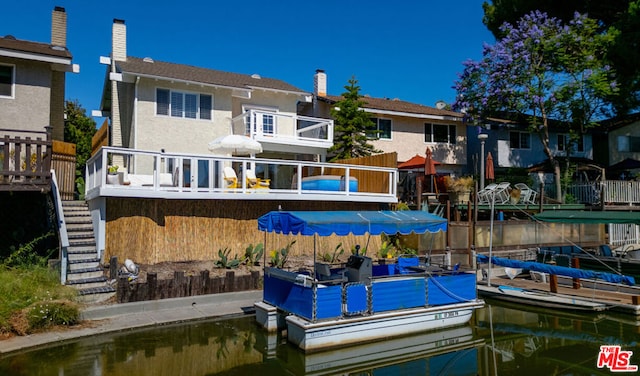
(405, 128)
(32, 80)
(173, 198)
(155, 105)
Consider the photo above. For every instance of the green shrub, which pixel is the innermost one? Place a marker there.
(26, 286)
(26, 255)
(45, 314)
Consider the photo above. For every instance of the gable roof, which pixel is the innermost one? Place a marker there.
(159, 69)
(396, 105)
(12, 47)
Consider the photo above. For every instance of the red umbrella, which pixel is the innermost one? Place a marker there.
(429, 167)
(429, 164)
(489, 174)
(416, 161)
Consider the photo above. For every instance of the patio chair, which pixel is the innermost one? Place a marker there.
(230, 177)
(254, 182)
(527, 195)
(485, 194)
(501, 193)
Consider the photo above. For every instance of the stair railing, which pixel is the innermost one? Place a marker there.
(62, 228)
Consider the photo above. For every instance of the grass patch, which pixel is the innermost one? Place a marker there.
(31, 298)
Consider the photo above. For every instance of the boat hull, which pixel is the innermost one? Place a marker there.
(540, 299)
(310, 336)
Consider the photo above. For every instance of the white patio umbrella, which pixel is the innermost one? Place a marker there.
(235, 144)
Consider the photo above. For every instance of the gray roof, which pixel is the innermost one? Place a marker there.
(148, 67)
(11, 43)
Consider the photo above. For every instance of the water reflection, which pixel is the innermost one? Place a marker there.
(499, 340)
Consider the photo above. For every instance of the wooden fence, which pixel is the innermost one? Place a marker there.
(369, 181)
(64, 164)
(100, 138)
(182, 285)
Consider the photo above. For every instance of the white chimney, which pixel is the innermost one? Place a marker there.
(119, 40)
(320, 83)
(59, 27)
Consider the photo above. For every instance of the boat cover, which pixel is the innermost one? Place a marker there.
(325, 223)
(579, 216)
(558, 270)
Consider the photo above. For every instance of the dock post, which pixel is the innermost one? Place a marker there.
(575, 263)
(553, 283)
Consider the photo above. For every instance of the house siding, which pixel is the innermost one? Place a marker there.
(407, 139)
(615, 155)
(29, 110)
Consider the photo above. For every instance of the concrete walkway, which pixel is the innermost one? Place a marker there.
(128, 316)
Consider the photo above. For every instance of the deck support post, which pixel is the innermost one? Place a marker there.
(553, 283)
(575, 263)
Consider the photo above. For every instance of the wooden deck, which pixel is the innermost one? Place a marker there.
(25, 162)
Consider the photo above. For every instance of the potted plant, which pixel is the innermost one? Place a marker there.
(112, 176)
(459, 188)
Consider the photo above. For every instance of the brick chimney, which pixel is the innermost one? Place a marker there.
(320, 83)
(119, 40)
(59, 27)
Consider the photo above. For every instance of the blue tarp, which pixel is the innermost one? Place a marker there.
(326, 223)
(558, 270)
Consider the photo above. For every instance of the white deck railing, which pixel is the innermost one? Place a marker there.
(164, 175)
(273, 127)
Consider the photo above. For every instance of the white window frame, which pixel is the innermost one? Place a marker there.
(13, 81)
(184, 94)
(451, 140)
(520, 134)
(272, 110)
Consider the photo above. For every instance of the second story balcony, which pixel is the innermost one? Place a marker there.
(147, 174)
(285, 132)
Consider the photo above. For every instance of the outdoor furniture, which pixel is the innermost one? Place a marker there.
(501, 193)
(255, 182)
(485, 195)
(527, 195)
(230, 177)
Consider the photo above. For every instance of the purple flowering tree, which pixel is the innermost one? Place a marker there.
(541, 71)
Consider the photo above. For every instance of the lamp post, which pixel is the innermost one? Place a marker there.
(482, 137)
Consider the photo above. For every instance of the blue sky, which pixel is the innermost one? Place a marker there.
(411, 50)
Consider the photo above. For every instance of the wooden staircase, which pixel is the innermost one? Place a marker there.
(84, 271)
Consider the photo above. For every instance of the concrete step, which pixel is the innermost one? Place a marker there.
(80, 242)
(84, 274)
(86, 283)
(96, 295)
(87, 263)
(80, 235)
(80, 227)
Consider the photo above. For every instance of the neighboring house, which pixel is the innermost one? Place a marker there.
(406, 128)
(32, 93)
(154, 105)
(158, 193)
(623, 140)
(32, 80)
(513, 145)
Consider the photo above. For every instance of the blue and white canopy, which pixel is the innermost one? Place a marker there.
(326, 223)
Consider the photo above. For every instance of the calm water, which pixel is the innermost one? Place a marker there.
(503, 340)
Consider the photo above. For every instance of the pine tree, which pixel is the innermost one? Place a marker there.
(353, 127)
